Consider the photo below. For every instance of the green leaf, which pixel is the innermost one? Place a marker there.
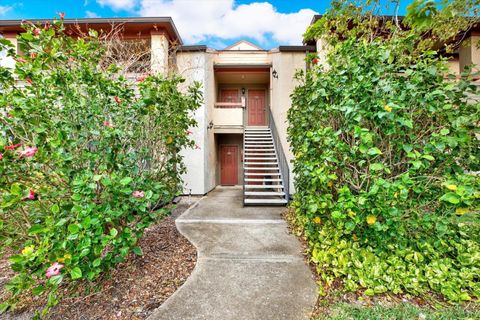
(444, 131)
(369, 292)
(376, 166)
(96, 262)
(38, 290)
(451, 197)
(36, 229)
(125, 181)
(55, 208)
(113, 232)
(4, 307)
(428, 157)
(76, 273)
(138, 251)
(374, 151)
(73, 228)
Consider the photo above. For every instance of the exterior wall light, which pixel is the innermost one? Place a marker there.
(275, 74)
(243, 91)
(210, 125)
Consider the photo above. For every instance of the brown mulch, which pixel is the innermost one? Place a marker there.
(135, 288)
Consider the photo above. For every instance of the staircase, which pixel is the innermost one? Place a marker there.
(263, 182)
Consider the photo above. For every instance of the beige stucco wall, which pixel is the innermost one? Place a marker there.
(242, 57)
(201, 162)
(159, 52)
(286, 64)
(469, 52)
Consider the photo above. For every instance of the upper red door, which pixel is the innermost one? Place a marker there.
(256, 108)
(229, 165)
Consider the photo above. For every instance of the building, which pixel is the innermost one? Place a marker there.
(242, 123)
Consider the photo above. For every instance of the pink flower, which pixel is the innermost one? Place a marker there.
(29, 80)
(33, 55)
(47, 25)
(1, 156)
(36, 31)
(61, 15)
(315, 61)
(54, 270)
(108, 124)
(21, 60)
(117, 100)
(141, 78)
(138, 194)
(31, 195)
(28, 152)
(13, 146)
(189, 132)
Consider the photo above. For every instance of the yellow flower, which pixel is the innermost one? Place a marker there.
(317, 220)
(451, 187)
(66, 256)
(387, 108)
(169, 140)
(351, 213)
(395, 195)
(330, 184)
(371, 219)
(28, 250)
(461, 211)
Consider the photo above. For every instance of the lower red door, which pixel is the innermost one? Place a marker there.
(228, 164)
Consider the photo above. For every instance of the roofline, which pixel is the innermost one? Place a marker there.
(94, 21)
(305, 48)
(244, 41)
(193, 48)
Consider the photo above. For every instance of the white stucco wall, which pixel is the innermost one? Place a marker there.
(469, 52)
(200, 175)
(286, 64)
(5, 61)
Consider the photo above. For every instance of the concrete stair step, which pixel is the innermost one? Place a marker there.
(266, 201)
(263, 180)
(261, 158)
(264, 168)
(259, 154)
(264, 193)
(263, 186)
(257, 174)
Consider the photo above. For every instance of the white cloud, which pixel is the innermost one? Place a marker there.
(199, 20)
(5, 9)
(91, 14)
(118, 4)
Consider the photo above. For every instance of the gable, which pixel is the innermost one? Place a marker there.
(243, 45)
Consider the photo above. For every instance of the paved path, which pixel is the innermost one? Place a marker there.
(248, 266)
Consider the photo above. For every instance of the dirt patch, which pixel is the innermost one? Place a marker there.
(135, 288)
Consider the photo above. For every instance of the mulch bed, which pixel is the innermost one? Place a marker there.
(134, 289)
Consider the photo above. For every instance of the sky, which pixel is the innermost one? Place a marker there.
(216, 23)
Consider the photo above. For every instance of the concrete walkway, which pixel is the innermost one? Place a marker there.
(248, 266)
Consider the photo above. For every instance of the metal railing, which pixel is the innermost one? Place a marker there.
(282, 159)
(244, 121)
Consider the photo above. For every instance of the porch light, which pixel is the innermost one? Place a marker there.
(243, 91)
(275, 74)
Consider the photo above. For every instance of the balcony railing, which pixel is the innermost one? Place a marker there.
(229, 114)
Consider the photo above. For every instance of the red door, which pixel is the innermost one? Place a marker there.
(228, 165)
(256, 108)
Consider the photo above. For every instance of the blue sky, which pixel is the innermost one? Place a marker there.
(217, 23)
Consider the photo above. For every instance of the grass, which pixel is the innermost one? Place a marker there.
(402, 311)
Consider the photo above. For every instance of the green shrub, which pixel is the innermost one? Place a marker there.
(385, 155)
(88, 159)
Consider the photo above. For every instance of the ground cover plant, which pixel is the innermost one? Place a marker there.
(386, 154)
(88, 160)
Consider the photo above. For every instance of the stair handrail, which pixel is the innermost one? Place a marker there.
(282, 159)
(243, 153)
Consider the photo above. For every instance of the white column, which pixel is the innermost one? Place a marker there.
(159, 51)
(469, 52)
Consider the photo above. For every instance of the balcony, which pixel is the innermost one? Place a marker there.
(228, 117)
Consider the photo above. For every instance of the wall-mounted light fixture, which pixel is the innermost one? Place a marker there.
(275, 74)
(210, 125)
(243, 91)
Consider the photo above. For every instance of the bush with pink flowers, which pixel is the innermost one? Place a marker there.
(88, 160)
